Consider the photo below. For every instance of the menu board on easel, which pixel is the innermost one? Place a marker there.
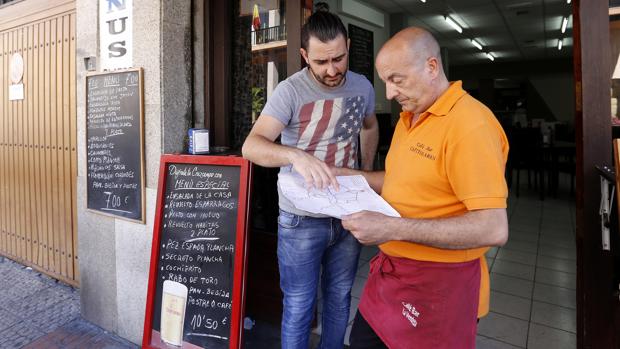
(115, 144)
(197, 276)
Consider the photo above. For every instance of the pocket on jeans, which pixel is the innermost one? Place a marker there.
(288, 220)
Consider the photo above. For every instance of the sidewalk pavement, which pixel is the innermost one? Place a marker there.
(37, 311)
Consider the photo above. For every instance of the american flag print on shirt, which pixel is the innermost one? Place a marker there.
(329, 129)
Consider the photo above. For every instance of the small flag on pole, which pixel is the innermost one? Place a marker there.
(256, 18)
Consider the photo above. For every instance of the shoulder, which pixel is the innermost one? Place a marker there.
(300, 77)
(358, 80)
(469, 114)
(470, 110)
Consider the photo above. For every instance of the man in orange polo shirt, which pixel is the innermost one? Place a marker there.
(445, 176)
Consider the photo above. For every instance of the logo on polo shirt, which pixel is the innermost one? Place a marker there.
(423, 150)
(410, 313)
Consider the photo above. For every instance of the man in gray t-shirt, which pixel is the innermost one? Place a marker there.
(324, 122)
(320, 111)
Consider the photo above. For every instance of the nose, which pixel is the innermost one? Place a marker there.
(390, 91)
(331, 69)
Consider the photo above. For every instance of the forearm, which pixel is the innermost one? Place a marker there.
(474, 229)
(264, 152)
(369, 139)
(374, 178)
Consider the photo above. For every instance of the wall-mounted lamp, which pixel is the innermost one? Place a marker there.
(476, 43)
(453, 24)
(490, 56)
(560, 44)
(564, 23)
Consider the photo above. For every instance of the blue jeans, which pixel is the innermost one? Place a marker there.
(305, 244)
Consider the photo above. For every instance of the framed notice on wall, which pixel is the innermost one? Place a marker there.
(198, 258)
(115, 144)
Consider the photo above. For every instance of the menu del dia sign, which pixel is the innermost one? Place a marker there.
(115, 144)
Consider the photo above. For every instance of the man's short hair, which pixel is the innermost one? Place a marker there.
(322, 25)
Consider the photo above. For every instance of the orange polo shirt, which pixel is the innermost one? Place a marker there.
(451, 161)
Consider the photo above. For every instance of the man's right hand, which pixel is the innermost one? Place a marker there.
(259, 147)
(316, 173)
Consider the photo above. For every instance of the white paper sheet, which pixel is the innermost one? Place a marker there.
(353, 196)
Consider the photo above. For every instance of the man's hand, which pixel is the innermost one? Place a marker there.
(316, 173)
(369, 228)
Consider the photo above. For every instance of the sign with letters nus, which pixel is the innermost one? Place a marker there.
(115, 34)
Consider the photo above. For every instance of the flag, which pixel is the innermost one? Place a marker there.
(329, 129)
(256, 18)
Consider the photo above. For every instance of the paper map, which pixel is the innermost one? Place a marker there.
(353, 196)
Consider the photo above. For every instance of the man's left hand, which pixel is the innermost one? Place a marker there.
(368, 227)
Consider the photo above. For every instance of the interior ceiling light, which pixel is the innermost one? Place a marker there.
(423, 0)
(476, 43)
(564, 23)
(453, 24)
(490, 56)
(568, 1)
(559, 44)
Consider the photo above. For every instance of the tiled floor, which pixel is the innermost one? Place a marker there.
(532, 277)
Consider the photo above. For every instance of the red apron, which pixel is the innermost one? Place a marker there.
(418, 304)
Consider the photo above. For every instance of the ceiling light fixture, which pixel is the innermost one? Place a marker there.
(490, 56)
(423, 0)
(568, 1)
(564, 23)
(453, 24)
(559, 44)
(476, 43)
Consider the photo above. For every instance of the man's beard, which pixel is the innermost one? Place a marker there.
(323, 81)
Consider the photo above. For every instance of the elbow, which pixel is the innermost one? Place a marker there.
(497, 228)
(246, 151)
(499, 235)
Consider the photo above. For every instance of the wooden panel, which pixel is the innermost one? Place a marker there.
(4, 129)
(38, 157)
(73, 147)
(30, 11)
(595, 279)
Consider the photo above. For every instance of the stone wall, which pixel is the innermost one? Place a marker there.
(114, 254)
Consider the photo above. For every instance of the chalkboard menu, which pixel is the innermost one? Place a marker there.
(114, 144)
(195, 295)
(361, 52)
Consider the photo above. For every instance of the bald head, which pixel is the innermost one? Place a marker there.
(410, 65)
(413, 44)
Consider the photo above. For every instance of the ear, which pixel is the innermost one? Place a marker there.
(304, 54)
(432, 65)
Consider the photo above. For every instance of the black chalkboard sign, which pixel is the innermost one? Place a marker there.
(114, 144)
(361, 52)
(195, 295)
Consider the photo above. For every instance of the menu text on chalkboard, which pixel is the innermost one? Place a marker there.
(361, 52)
(114, 144)
(195, 295)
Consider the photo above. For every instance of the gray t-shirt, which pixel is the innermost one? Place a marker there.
(323, 122)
